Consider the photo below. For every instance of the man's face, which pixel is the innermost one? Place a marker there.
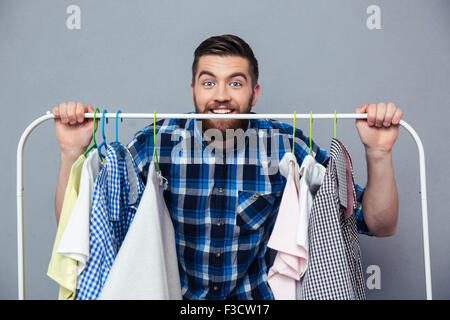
(223, 86)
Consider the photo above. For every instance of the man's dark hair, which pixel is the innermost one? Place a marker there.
(226, 45)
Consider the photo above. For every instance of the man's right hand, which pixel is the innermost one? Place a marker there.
(73, 131)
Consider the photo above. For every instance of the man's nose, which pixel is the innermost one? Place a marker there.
(222, 93)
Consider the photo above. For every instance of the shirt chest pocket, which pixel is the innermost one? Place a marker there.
(254, 210)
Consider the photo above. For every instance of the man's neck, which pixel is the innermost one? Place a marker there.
(227, 139)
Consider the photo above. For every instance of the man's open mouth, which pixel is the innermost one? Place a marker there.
(221, 110)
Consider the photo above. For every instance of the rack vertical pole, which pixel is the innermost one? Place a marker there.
(20, 204)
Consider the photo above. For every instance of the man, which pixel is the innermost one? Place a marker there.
(224, 202)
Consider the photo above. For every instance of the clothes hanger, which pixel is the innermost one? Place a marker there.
(117, 129)
(335, 124)
(93, 134)
(293, 133)
(103, 144)
(154, 141)
(163, 181)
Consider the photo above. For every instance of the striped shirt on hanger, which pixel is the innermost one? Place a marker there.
(223, 203)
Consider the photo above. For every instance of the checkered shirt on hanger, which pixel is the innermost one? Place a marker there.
(334, 259)
(117, 192)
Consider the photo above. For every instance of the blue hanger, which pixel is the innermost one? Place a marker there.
(117, 128)
(103, 134)
(293, 133)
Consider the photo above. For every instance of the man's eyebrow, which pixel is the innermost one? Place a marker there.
(205, 73)
(236, 74)
(239, 74)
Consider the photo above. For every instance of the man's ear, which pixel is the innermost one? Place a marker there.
(192, 93)
(255, 94)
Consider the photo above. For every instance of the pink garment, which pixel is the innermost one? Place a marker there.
(350, 187)
(290, 261)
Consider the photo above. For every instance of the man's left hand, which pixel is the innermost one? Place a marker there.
(380, 130)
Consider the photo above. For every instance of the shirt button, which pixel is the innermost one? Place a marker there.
(220, 190)
(218, 255)
(219, 223)
(216, 288)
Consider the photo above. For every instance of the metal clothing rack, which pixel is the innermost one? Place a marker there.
(49, 115)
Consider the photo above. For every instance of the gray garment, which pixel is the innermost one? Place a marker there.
(334, 263)
(146, 266)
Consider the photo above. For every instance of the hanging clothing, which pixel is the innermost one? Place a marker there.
(223, 204)
(290, 260)
(63, 269)
(312, 174)
(352, 246)
(117, 193)
(146, 266)
(334, 262)
(290, 233)
(74, 242)
(348, 202)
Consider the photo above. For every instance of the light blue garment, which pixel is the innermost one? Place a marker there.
(117, 193)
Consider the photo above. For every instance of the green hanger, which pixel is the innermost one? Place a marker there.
(155, 155)
(93, 136)
(335, 123)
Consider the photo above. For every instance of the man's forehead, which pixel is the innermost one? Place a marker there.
(223, 66)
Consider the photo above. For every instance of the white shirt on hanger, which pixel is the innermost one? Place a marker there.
(312, 174)
(74, 242)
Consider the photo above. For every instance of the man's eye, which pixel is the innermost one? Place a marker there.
(235, 84)
(208, 83)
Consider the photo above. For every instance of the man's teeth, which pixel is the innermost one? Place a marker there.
(221, 111)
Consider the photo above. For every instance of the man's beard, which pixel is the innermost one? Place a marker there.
(223, 124)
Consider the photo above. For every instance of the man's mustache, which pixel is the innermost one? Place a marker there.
(228, 105)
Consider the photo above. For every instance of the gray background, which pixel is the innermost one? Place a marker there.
(136, 56)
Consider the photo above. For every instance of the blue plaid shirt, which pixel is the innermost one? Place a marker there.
(117, 192)
(223, 203)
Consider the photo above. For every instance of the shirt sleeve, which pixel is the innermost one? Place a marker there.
(359, 216)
